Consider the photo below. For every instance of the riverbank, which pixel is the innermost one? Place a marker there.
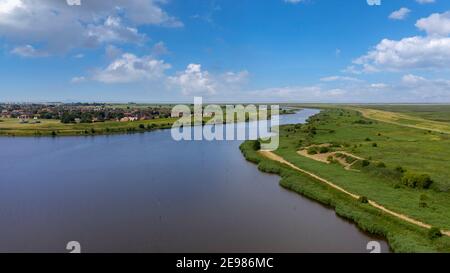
(14, 128)
(376, 183)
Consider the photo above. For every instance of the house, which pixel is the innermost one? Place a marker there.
(24, 117)
(6, 114)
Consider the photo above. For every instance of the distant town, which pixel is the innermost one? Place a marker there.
(83, 112)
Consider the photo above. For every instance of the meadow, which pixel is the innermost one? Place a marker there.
(436, 112)
(391, 152)
(13, 127)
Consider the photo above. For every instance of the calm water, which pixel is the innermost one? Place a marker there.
(148, 193)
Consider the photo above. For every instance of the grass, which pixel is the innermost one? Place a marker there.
(430, 112)
(402, 237)
(12, 127)
(414, 150)
(407, 120)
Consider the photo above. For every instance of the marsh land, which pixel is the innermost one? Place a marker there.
(397, 160)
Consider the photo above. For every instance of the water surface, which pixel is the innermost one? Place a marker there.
(148, 193)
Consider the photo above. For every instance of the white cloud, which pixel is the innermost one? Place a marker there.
(61, 27)
(78, 79)
(130, 68)
(379, 85)
(411, 79)
(293, 1)
(339, 78)
(425, 1)
(431, 52)
(28, 51)
(112, 31)
(399, 14)
(408, 53)
(409, 88)
(194, 80)
(436, 24)
(160, 49)
(426, 90)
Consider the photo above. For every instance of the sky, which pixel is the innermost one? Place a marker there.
(341, 51)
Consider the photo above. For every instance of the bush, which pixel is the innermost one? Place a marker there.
(362, 121)
(256, 145)
(414, 180)
(368, 139)
(363, 199)
(434, 233)
(312, 150)
(324, 150)
(400, 169)
(374, 145)
(141, 126)
(381, 165)
(365, 163)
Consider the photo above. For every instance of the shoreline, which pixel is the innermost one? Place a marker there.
(99, 129)
(401, 236)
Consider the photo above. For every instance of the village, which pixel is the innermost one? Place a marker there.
(82, 112)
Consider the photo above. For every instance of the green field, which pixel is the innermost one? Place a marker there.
(13, 127)
(52, 127)
(391, 150)
(430, 112)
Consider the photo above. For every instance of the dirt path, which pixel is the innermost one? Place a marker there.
(391, 117)
(324, 158)
(275, 157)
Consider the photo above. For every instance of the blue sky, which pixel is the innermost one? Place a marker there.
(225, 50)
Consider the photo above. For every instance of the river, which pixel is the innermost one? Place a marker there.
(148, 193)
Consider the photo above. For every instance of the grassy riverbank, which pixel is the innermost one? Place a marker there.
(12, 127)
(390, 152)
(50, 127)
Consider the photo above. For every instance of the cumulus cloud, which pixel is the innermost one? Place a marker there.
(61, 27)
(131, 68)
(112, 30)
(436, 24)
(419, 52)
(195, 80)
(399, 14)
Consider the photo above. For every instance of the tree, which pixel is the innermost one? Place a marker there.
(415, 180)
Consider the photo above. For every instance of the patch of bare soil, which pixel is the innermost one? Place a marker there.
(323, 157)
